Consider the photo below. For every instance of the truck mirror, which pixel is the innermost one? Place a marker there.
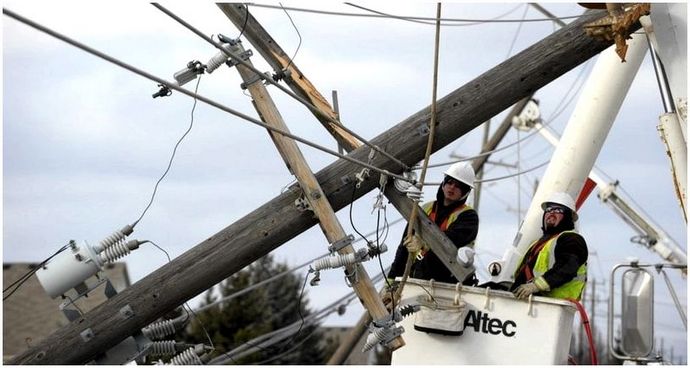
(637, 313)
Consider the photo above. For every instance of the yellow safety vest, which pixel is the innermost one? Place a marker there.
(429, 206)
(545, 261)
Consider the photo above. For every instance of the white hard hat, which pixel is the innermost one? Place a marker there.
(462, 172)
(564, 199)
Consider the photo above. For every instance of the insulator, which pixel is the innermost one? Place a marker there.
(114, 252)
(374, 338)
(219, 59)
(187, 357)
(116, 238)
(166, 347)
(159, 330)
(408, 309)
(335, 262)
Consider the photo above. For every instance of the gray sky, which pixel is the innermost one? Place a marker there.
(84, 142)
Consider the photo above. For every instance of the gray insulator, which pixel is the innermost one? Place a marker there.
(187, 357)
(166, 347)
(159, 330)
(374, 338)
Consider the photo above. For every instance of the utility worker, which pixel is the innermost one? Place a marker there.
(555, 264)
(456, 219)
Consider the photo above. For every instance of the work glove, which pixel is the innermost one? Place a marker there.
(525, 290)
(414, 244)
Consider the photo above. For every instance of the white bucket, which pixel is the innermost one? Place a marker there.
(499, 329)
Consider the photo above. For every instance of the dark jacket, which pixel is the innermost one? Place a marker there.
(571, 253)
(461, 232)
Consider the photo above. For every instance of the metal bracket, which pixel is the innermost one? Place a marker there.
(302, 204)
(87, 335)
(423, 130)
(340, 244)
(351, 278)
(255, 78)
(245, 55)
(127, 311)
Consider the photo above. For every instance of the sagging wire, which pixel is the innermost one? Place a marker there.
(407, 17)
(517, 33)
(547, 123)
(347, 299)
(201, 98)
(246, 18)
(280, 275)
(293, 348)
(270, 80)
(20, 281)
(167, 169)
(296, 30)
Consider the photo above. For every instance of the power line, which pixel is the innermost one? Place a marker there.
(206, 100)
(269, 80)
(296, 30)
(406, 17)
(278, 276)
(189, 129)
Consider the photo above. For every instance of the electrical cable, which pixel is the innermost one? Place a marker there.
(270, 80)
(514, 174)
(275, 277)
(296, 30)
(517, 33)
(316, 316)
(486, 153)
(208, 101)
(383, 15)
(588, 330)
(246, 18)
(191, 124)
(287, 351)
(19, 282)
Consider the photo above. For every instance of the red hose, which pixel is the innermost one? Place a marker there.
(588, 330)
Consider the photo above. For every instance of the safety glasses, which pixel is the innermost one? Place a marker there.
(555, 209)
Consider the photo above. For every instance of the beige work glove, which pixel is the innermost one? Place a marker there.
(414, 244)
(525, 290)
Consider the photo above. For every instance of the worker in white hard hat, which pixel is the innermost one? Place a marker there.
(555, 264)
(457, 220)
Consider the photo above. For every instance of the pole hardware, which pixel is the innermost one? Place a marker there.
(340, 244)
(87, 335)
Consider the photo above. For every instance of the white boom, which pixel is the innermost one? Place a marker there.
(580, 145)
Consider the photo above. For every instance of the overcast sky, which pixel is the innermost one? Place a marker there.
(84, 142)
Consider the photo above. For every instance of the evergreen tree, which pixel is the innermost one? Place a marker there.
(260, 311)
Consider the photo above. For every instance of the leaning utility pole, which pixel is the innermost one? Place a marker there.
(312, 193)
(278, 221)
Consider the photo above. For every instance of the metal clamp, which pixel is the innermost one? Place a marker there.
(127, 312)
(255, 78)
(244, 55)
(302, 204)
(340, 244)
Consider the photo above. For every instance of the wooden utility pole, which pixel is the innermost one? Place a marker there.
(300, 85)
(278, 221)
(312, 192)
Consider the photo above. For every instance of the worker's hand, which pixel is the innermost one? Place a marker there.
(525, 290)
(414, 244)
